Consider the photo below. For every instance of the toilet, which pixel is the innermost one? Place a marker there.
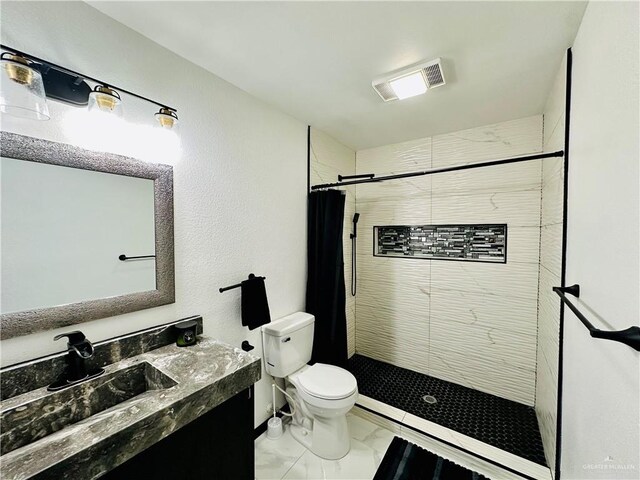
(322, 394)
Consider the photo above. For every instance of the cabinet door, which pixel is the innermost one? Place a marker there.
(216, 446)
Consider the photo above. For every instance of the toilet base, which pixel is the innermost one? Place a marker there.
(329, 438)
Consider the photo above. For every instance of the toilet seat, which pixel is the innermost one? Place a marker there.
(327, 382)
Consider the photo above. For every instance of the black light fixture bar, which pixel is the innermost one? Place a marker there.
(79, 75)
(492, 163)
(629, 336)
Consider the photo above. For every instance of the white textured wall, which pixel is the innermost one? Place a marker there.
(329, 158)
(470, 323)
(239, 178)
(63, 230)
(551, 214)
(601, 379)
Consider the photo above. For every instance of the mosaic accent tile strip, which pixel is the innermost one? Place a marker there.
(480, 243)
(502, 423)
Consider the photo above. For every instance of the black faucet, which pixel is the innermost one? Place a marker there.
(79, 350)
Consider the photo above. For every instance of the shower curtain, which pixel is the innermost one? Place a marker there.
(325, 280)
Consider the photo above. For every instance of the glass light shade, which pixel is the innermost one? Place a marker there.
(409, 85)
(21, 90)
(105, 99)
(167, 118)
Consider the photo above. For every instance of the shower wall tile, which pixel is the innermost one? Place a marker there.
(460, 310)
(550, 268)
(546, 407)
(554, 135)
(395, 191)
(330, 152)
(471, 323)
(519, 208)
(506, 380)
(321, 173)
(393, 304)
(501, 178)
(513, 280)
(552, 206)
(506, 346)
(490, 142)
(397, 210)
(552, 191)
(551, 253)
(549, 315)
(554, 111)
(402, 157)
(329, 159)
(387, 334)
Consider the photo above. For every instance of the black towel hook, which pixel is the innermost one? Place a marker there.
(238, 285)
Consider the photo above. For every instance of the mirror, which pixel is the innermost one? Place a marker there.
(73, 222)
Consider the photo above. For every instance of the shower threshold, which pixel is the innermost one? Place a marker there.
(495, 429)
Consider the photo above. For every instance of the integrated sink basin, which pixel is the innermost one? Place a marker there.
(150, 389)
(35, 415)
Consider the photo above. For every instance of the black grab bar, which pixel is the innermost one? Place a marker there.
(629, 336)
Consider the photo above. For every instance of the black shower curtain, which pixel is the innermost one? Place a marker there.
(325, 281)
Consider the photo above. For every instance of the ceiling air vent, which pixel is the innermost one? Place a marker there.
(385, 91)
(410, 81)
(433, 74)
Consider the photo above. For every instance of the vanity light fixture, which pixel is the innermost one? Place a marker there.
(105, 99)
(27, 81)
(167, 118)
(410, 81)
(22, 92)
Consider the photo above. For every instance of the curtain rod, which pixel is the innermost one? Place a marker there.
(492, 163)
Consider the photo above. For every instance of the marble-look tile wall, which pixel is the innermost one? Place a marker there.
(552, 175)
(329, 159)
(470, 323)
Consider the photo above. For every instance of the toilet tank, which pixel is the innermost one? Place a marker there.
(287, 343)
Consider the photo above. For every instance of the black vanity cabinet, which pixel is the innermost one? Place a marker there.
(216, 446)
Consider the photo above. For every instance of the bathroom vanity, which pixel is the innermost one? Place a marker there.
(157, 411)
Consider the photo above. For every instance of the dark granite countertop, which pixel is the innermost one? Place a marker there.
(206, 375)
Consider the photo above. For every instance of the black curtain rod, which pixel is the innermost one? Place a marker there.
(81, 75)
(492, 163)
(350, 177)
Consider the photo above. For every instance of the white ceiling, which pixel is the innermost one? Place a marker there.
(316, 60)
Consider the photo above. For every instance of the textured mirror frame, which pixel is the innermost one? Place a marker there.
(20, 147)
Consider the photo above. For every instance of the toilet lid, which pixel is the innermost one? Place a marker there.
(327, 381)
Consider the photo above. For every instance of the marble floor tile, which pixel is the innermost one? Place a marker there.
(286, 459)
(360, 463)
(374, 436)
(274, 458)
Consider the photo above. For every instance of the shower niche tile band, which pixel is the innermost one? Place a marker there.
(469, 243)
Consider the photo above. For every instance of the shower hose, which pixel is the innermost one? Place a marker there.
(354, 274)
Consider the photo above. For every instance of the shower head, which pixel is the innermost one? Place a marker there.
(356, 216)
